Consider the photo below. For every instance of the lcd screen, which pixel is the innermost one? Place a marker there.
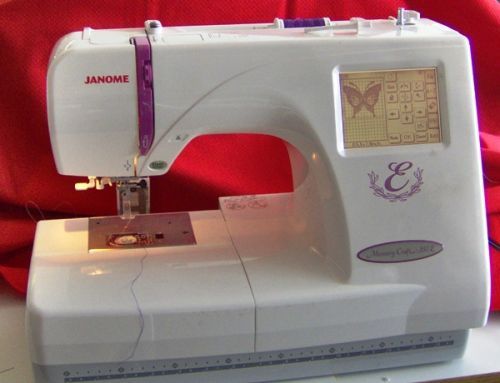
(389, 108)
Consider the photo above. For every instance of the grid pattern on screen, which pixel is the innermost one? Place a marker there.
(372, 131)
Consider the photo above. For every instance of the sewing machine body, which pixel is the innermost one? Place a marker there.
(378, 257)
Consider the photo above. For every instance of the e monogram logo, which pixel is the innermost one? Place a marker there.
(399, 170)
(396, 182)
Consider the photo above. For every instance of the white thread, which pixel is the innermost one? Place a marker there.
(138, 307)
(490, 180)
(40, 211)
(28, 211)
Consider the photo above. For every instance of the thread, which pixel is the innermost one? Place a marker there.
(494, 243)
(125, 227)
(138, 306)
(490, 180)
(41, 215)
(132, 292)
(7, 370)
(28, 211)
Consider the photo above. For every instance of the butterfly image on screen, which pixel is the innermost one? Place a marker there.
(357, 99)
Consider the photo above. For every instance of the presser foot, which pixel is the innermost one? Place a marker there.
(132, 196)
(132, 193)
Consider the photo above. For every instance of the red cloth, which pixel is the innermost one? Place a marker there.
(30, 185)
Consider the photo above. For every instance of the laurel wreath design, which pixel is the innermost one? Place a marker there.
(392, 197)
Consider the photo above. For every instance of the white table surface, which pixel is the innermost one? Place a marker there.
(481, 357)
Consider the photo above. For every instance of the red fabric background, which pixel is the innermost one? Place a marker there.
(31, 189)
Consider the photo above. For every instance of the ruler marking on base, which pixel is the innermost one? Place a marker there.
(272, 362)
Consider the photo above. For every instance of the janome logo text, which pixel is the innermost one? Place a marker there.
(107, 79)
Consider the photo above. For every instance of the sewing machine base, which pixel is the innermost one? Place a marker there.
(268, 366)
(178, 313)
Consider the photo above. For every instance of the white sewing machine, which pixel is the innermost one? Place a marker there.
(378, 258)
